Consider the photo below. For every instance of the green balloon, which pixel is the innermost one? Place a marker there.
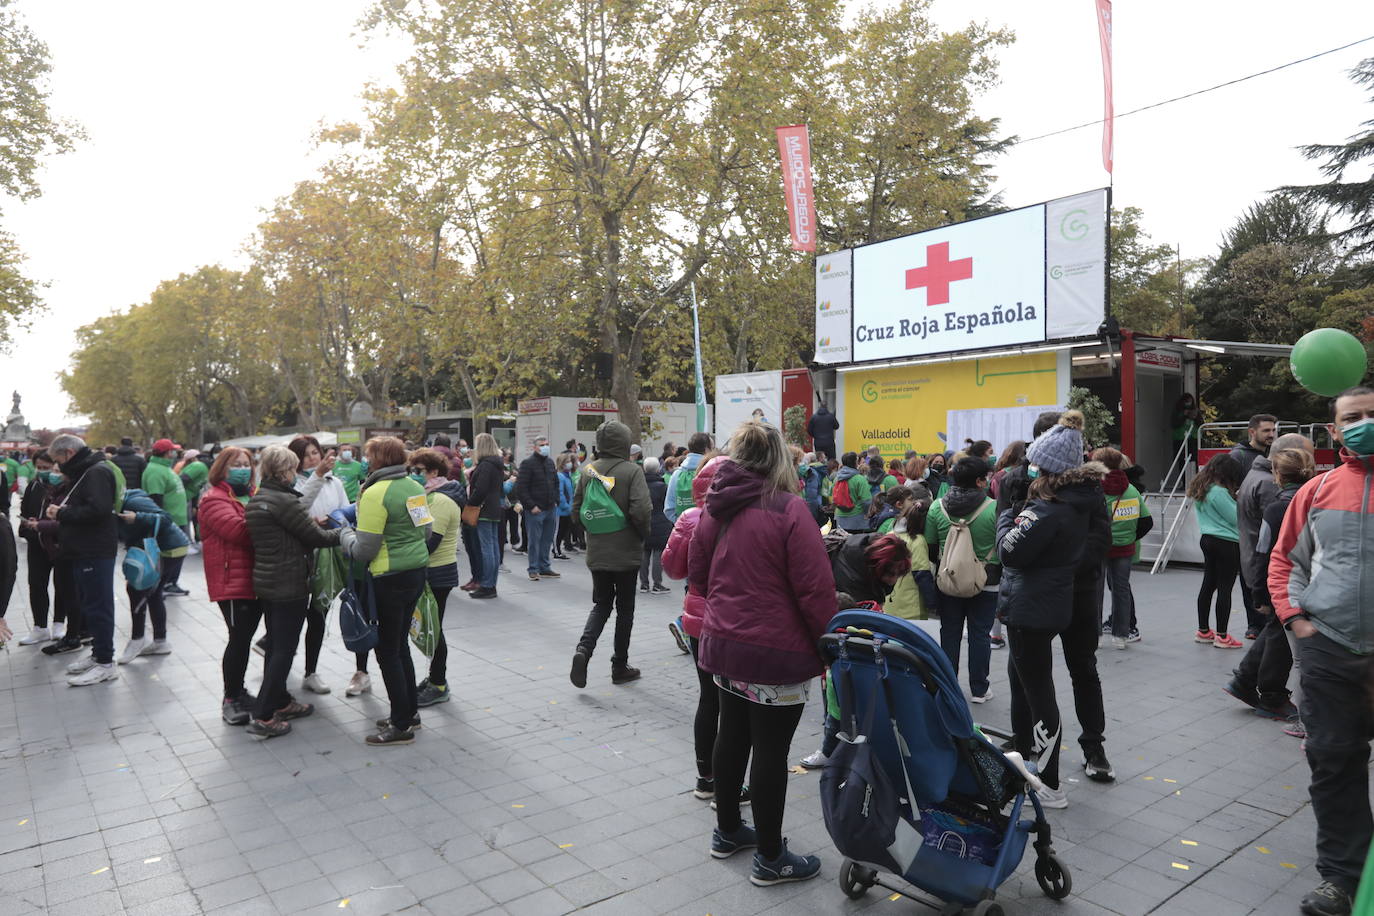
(1327, 361)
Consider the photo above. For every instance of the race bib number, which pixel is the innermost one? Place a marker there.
(418, 507)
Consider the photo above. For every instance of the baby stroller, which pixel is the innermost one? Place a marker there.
(915, 789)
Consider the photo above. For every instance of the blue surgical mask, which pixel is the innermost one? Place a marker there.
(1032, 472)
(239, 477)
(54, 478)
(1359, 437)
(544, 450)
(418, 478)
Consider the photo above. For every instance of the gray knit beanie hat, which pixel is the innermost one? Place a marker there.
(1059, 448)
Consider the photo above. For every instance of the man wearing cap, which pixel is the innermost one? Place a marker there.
(164, 486)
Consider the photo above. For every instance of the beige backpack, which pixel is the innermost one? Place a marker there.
(962, 574)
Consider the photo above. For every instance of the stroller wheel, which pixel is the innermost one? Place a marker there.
(855, 880)
(1053, 876)
(988, 908)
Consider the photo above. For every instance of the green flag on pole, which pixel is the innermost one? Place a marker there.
(696, 350)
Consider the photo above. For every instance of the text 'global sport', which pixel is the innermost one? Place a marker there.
(922, 328)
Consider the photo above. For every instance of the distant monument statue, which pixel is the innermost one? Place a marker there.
(16, 430)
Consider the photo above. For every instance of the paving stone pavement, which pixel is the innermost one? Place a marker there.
(527, 796)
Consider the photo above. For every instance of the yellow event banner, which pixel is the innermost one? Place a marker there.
(905, 408)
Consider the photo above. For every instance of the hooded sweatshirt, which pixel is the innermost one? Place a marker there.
(689, 466)
(620, 550)
(770, 594)
(855, 519)
(678, 552)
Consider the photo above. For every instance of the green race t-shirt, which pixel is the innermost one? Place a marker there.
(351, 473)
(398, 511)
(160, 480)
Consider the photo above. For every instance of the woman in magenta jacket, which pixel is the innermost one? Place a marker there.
(757, 556)
(228, 556)
(675, 560)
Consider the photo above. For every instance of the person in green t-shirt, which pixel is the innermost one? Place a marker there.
(853, 514)
(164, 486)
(431, 468)
(350, 470)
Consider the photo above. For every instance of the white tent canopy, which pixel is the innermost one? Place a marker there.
(326, 439)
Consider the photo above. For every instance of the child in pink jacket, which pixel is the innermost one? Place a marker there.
(687, 629)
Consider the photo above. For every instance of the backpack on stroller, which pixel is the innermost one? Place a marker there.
(915, 788)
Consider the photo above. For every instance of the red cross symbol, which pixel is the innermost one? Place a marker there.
(939, 273)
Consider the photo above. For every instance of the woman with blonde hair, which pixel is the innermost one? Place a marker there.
(485, 491)
(758, 558)
(284, 538)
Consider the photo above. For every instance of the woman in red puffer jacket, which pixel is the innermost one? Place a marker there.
(228, 556)
(675, 559)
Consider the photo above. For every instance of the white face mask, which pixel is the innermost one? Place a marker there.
(345, 455)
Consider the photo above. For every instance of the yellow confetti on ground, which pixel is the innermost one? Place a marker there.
(385, 797)
(517, 806)
(23, 822)
(1149, 779)
(895, 897)
(1166, 779)
(1288, 787)
(1188, 842)
(1180, 866)
(1263, 849)
(344, 902)
(565, 845)
(1288, 865)
(1176, 792)
(152, 860)
(101, 870)
(553, 702)
(800, 771)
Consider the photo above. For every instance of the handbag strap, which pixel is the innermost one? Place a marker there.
(902, 755)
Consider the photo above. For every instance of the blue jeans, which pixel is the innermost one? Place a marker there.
(95, 594)
(540, 527)
(473, 548)
(976, 615)
(489, 534)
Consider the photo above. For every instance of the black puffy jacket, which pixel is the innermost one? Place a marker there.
(284, 539)
(536, 486)
(852, 573)
(1043, 547)
(132, 464)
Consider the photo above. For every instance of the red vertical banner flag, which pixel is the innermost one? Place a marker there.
(1104, 35)
(794, 146)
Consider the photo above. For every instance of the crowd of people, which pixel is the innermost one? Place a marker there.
(1007, 551)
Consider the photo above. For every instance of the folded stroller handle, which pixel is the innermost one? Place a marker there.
(888, 650)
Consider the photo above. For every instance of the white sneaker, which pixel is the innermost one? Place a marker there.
(192, 549)
(59, 630)
(94, 675)
(159, 647)
(36, 635)
(133, 649)
(815, 760)
(359, 684)
(315, 684)
(1118, 642)
(1053, 798)
(81, 665)
(984, 698)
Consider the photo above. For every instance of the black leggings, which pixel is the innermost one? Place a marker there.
(565, 534)
(242, 617)
(284, 622)
(40, 571)
(152, 603)
(314, 639)
(708, 717)
(1221, 565)
(397, 594)
(766, 733)
(438, 665)
(1034, 708)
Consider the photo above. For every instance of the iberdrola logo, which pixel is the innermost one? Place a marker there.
(825, 305)
(825, 268)
(823, 342)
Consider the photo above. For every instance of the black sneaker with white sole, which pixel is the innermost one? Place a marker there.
(1326, 899)
(1097, 767)
(725, 845)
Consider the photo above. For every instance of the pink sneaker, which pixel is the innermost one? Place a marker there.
(1226, 641)
(1204, 636)
(1296, 729)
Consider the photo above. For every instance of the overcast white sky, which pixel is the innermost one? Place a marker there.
(199, 115)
